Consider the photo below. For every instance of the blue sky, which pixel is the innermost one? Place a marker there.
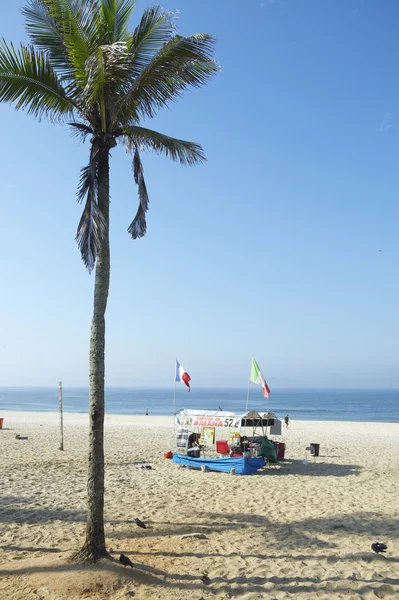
(283, 246)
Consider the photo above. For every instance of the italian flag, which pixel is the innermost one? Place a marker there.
(257, 377)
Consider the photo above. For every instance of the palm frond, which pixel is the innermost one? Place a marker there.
(106, 71)
(86, 17)
(91, 225)
(155, 29)
(65, 30)
(182, 62)
(93, 92)
(81, 130)
(115, 15)
(29, 82)
(187, 153)
(138, 226)
(44, 33)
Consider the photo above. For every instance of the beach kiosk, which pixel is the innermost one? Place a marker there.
(237, 452)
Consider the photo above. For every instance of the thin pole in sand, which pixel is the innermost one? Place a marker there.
(61, 418)
(174, 406)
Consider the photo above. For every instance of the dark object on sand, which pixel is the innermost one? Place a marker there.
(379, 547)
(140, 524)
(316, 448)
(125, 561)
(205, 579)
(21, 437)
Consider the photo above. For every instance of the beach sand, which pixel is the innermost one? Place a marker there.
(292, 530)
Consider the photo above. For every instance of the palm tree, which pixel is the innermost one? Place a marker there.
(86, 69)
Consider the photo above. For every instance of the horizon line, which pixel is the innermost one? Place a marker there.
(201, 387)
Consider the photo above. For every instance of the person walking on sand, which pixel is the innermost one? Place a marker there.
(287, 421)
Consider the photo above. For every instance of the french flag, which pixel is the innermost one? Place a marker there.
(182, 376)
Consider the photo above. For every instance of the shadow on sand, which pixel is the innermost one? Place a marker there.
(314, 468)
(301, 533)
(150, 576)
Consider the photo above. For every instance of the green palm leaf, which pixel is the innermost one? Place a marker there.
(94, 90)
(106, 70)
(28, 81)
(81, 130)
(43, 31)
(66, 31)
(152, 33)
(87, 65)
(91, 225)
(187, 153)
(183, 61)
(115, 15)
(138, 226)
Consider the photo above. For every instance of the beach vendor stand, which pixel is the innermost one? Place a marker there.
(237, 453)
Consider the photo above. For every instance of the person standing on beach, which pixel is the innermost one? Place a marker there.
(287, 421)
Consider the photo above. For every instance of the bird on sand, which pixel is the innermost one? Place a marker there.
(140, 524)
(379, 547)
(205, 579)
(125, 560)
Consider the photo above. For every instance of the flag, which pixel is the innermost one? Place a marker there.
(257, 377)
(182, 376)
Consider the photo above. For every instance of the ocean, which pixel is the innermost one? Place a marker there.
(301, 404)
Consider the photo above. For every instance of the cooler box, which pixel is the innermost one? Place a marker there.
(280, 450)
(276, 428)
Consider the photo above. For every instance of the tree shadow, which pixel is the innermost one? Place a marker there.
(30, 549)
(300, 534)
(313, 468)
(371, 524)
(127, 463)
(274, 536)
(6, 500)
(329, 558)
(171, 529)
(151, 576)
(141, 573)
(16, 514)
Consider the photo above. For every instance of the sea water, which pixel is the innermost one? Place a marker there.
(380, 405)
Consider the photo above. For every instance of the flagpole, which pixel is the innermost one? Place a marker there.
(174, 400)
(174, 404)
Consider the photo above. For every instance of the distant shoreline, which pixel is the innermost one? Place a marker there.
(53, 415)
(202, 388)
(302, 405)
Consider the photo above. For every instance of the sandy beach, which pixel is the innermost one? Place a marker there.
(291, 530)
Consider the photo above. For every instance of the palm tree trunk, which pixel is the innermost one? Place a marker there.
(94, 546)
